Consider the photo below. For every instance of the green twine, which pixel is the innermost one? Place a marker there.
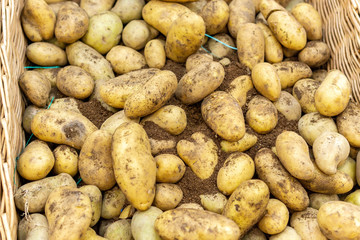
(41, 67)
(77, 183)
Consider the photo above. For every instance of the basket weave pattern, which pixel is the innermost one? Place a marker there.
(341, 28)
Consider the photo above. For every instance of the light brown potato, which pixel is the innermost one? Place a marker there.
(95, 196)
(339, 220)
(196, 6)
(200, 82)
(142, 224)
(66, 160)
(216, 15)
(318, 199)
(223, 114)
(46, 54)
(348, 166)
(62, 127)
(218, 49)
(288, 233)
(33, 195)
(33, 227)
(250, 42)
(290, 72)
(28, 115)
(112, 203)
(199, 153)
(158, 146)
(136, 34)
(237, 168)
(315, 54)
(38, 20)
(95, 161)
(49, 73)
(205, 224)
(241, 11)
(115, 121)
(68, 211)
(242, 145)
(239, 87)
(319, 75)
(333, 95)
(197, 59)
(75, 82)
(191, 206)
(288, 106)
(154, 53)
(289, 52)
(273, 49)
(104, 224)
(170, 168)
(276, 217)
(293, 153)
(306, 225)
(348, 124)
(93, 7)
(167, 196)
(69, 104)
(266, 81)
(124, 59)
(90, 234)
(120, 229)
(36, 87)
(254, 234)
(128, 10)
(213, 202)
(310, 19)
(282, 185)
(304, 91)
(262, 115)
(266, 7)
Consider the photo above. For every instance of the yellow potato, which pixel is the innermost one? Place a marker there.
(169, 168)
(36, 87)
(49, 73)
(348, 124)
(273, 49)
(288, 106)
(66, 160)
(254, 234)
(46, 54)
(304, 91)
(353, 198)
(241, 11)
(276, 217)
(306, 225)
(120, 229)
(28, 115)
(348, 166)
(124, 59)
(158, 146)
(217, 48)
(142, 224)
(289, 52)
(136, 34)
(310, 19)
(93, 7)
(90, 234)
(216, 15)
(239, 87)
(34, 226)
(213, 202)
(318, 199)
(191, 206)
(128, 10)
(242, 145)
(127, 212)
(69, 104)
(290, 72)
(167, 196)
(112, 203)
(315, 54)
(95, 196)
(113, 122)
(197, 59)
(266, 81)
(288, 233)
(154, 53)
(269, 6)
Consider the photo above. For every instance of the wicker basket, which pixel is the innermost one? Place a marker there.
(341, 25)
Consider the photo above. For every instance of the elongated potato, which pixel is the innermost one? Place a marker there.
(241, 11)
(273, 49)
(315, 54)
(154, 53)
(242, 145)
(310, 19)
(62, 127)
(36, 87)
(290, 72)
(134, 166)
(276, 217)
(268, 6)
(46, 54)
(348, 124)
(266, 81)
(175, 224)
(95, 196)
(213, 202)
(33, 227)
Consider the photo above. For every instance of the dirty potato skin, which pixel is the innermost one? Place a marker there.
(36, 87)
(240, 12)
(290, 72)
(46, 54)
(304, 91)
(216, 15)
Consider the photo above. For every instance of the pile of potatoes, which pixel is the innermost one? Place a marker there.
(115, 52)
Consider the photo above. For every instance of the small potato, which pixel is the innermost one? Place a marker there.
(175, 224)
(339, 220)
(36, 161)
(218, 49)
(262, 115)
(195, 6)
(128, 10)
(312, 125)
(136, 34)
(266, 81)
(216, 15)
(197, 59)
(127, 212)
(306, 225)
(353, 198)
(254, 234)
(289, 53)
(333, 95)
(250, 43)
(318, 199)
(170, 118)
(142, 224)
(69, 104)
(46, 54)
(36, 87)
(124, 59)
(276, 217)
(167, 196)
(241, 11)
(213, 202)
(158, 146)
(293, 153)
(120, 229)
(290, 72)
(33, 195)
(75, 82)
(95, 196)
(38, 20)
(200, 82)
(239, 87)
(348, 166)
(237, 168)
(112, 203)
(113, 122)
(319, 75)
(288, 233)
(223, 114)
(242, 145)
(104, 31)
(200, 153)
(72, 23)
(62, 127)
(170, 168)
(33, 227)
(66, 160)
(348, 124)
(288, 106)
(315, 54)
(330, 149)
(304, 91)
(154, 53)
(104, 224)
(310, 19)
(29, 113)
(273, 49)
(93, 7)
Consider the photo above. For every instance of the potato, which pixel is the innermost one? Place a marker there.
(273, 49)
(306, 225)
(318, 199)
(353, 198)
(304, 91)
(213, 202)
(288, 106)
(38, 20)
(90, 234)
(104, 224)
(36, 87)
(95, 161)
(86, 57)
(75, 82)
(315, 54)
(310, 19)
(28, 115)
(348, 124)
(262, 115)
(170, 168)
(319, 74)
(282, 185)
(216, 15)
(242, 145)
(142, 224)
(289, 53)
(197, 59)
(120, 229)
(276, 217)
(69, 104)
(237, 168)
(184, 37)
(223, 114)
(357, 169)
(239, 87)
(218, 49)
(93, 7)
(68, 211)
(115, 121)
(267, 7)
(266, 81)
(175, 224)
(247, 204)
(49, 73)
(158, 146)
(293, 153)
(66, 160)
(200, 82)
(167, 196)
(154, 53)
(136, 34)
(62, 127)
(339, 220)
(199, 153)
(333, 95)
(191, 206)
(241, 11)
(124, 59)
(250, 43)
(330, 149)
(46, 54)
(290, 72)
(35, 194)
(72, 23)
(33, 227)
(254, 234)
(95, 196)
(288, 233)
(128, 10)
(348, 166)
(134, 166)
(170, 118)
(112, 203)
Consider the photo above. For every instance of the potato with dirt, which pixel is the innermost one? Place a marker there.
(169, 168)
(315, 54)
(288, 233)
(120, 229)
(348, 124)
(124, 59)
(154, 53)
(167, 196)
(197, 59)
(310, 19)
(288, 106)
(128, 10)
(33, 227)
(213, 202)
(36, 87)
(66, 160)
(95, 196)
(266, 81)
(276, 217)
(46, 54)
(93, 7)
(242, 145)
(273, 49)
(318, 199)
(28, 115)
(113, 122)
(290, 72)
(239, 87)
(304, 91)
(113, 201)
(218, 49)
(216, 15)
(136, 34)
(241, 12)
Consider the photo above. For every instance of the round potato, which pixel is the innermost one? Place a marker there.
(276, 217)
(288, 106)
(217, 48)
(93, 7)
(170, 168)
(348, 124)
(66, 160)
(290, 72)
(120, 229)
(319, 74)
(128, 10)
(142, 224)
(136, 34)
(167, 196)
(154, 53)
(124, 59)
(216, 15)
(46, 54)
(241, 11)
(318, 199)
(266, 81)
(315, 54)
(112, 203)
(29, 113)
(197, 59)
(310, 19)
(33, 227)
(254, 234)
(353, 197)
(304, 91)
(213, 202)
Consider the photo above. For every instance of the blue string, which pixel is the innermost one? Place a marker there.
(234, 48)
(41, 67)
(77, 183)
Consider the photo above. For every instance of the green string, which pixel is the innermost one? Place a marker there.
(41, 67)
(77, 183)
